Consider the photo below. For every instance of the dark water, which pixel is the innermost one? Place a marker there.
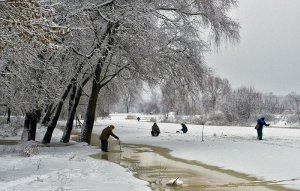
(8, 142)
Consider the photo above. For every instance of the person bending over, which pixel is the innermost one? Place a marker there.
(106, 132)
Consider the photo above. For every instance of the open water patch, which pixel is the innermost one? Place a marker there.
(8, 142)
(157, 166)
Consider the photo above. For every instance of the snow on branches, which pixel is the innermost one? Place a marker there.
(29, 21)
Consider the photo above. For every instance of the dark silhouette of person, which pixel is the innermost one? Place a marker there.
(155, 130)
(261, 122)
(184, 128)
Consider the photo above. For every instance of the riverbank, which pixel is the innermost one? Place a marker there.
(60, 167)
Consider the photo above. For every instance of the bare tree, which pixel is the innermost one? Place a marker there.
(179, 99)
(272, 104)
(215, 88)
(130, 92)
(241, 104)
(293, 100)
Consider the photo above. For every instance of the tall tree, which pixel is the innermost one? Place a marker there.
(293, 99)
(151, 41)
(273, 104)
(130, 93)
(215, 88)
(155, 40)
(241, 104)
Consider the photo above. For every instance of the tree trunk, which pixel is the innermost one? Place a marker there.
(32, 126)
(87, 128)
(51, 127)
(69, 125)
(8, 115)
(106, 54)
(49, 112)
(25, 132)
(72, 97)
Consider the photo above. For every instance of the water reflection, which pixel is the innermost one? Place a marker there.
(8, 142)
(104, 156)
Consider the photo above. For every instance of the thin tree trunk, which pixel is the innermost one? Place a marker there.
(52, 125)
(8, 115)
(49, 112)
(78, 121)
(69, 125)
(72, 97)
(87, 128)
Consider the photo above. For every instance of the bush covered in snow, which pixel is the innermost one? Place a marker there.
(25, 149)
(29, 149)
(11, 129)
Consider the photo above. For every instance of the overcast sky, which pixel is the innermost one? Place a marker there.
(268, 54)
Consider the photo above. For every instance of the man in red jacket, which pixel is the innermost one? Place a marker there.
(104, 137)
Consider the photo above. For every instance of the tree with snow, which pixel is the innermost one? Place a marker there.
(154, 41)
(29, 21)
(148, 41)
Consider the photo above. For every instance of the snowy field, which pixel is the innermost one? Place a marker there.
(276, 158)
(66, 168)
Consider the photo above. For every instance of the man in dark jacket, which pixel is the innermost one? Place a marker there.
(155, 130)
(184, 128)
(261, 122)
(104, 137)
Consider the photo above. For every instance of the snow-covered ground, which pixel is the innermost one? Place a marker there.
(276, 158)
(60, 168)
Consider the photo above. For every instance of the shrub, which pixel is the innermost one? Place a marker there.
(11, 129)
(130, 117)
(29, 149)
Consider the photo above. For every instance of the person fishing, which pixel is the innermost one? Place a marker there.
(259, 127)
(106, 132)
(155, 130)
(184, 128)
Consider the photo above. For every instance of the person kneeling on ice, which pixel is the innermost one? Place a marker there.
(155, 130)
(184, 128)
(260, 123)
(104, 137)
